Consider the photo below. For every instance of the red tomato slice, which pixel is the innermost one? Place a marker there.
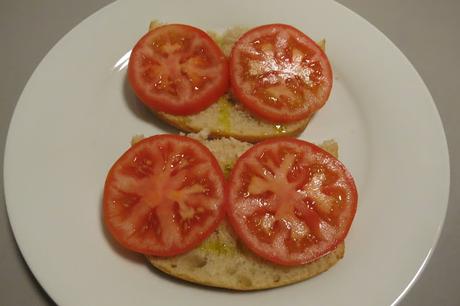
(289, 201)
(164, 196)
(279, 73)
(178, 69)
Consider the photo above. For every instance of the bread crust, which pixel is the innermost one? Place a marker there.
(216, 130)
(234, 267)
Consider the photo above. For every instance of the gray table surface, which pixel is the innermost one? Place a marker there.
(426, 31)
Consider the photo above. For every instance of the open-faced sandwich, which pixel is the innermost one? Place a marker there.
(248, 84)
(218, 211)
(280, 217)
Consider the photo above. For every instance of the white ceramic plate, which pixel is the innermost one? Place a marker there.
(77, 115)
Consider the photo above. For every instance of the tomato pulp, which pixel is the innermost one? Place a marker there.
(178, 69)
(164, 196)
(289, 201)
(279, 73)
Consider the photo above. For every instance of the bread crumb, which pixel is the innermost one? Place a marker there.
(226, 150)
(330, 146)
(136, 138)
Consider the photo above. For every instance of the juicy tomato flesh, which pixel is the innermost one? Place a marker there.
(178, 69)
(279, 73)
(164, 196)
(290, 201)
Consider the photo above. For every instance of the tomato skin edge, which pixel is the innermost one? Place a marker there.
(266, 115)
(240, 232)
(218, 219)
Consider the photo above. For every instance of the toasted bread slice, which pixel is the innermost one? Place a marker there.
(223, 261)
(227, 117)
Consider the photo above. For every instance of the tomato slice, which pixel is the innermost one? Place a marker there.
(279, 73)
(289, 201)
(178, 69)
(164, 196)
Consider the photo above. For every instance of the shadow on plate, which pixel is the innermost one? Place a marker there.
(115, 246)
(142, 112)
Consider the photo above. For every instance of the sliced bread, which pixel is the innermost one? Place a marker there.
(223, 261)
